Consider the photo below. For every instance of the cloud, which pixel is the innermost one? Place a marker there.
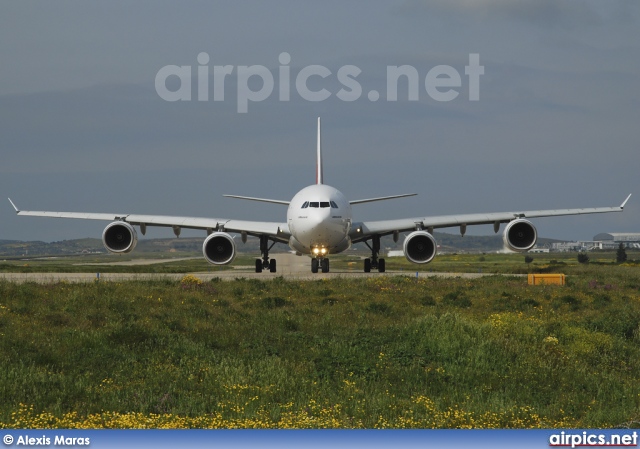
(82, 128)
(544, 13)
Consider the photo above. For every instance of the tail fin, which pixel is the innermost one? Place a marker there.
(319, 158)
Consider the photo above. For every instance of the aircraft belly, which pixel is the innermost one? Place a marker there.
(295, 245)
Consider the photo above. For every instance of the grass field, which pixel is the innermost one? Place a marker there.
(350, 353)
(179, 263)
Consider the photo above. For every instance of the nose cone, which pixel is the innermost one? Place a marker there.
(318, 229)
(314, 223)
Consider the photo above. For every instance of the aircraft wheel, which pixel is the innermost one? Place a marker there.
(325, 265)
(381, 266)
(258, 266)
(314, 265)
(272, 265)
(367, 265)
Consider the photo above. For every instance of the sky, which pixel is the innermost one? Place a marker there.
(553, 123)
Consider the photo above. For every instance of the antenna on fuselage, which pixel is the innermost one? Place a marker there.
(319, 158)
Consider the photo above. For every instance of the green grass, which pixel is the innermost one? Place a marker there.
(379, 351)
(514, 263)
(458, 263)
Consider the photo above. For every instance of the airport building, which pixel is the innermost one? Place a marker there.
(608, 240)
(617, 237)
(539, 249)
(605, 240)
(568, 246)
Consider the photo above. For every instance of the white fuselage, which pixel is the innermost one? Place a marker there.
(319, 219)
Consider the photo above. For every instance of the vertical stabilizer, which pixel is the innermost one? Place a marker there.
(319, 158)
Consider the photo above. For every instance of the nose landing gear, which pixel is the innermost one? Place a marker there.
(322, 264)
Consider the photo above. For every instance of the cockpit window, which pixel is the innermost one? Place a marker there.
(331, 204)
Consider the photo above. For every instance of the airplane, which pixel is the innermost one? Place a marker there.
(319, 224)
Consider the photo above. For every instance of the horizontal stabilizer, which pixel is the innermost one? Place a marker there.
(263, 200)
(369, 200)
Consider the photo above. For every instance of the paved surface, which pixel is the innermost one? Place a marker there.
(289, 266)
(228, 275)
(136, 262)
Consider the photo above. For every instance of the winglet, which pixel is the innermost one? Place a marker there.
(625, 202)
(319, 158)
(14, 206)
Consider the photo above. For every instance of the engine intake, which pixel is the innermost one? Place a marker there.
(219, 248)
(119, 237)
(520, 235)
(420, 247)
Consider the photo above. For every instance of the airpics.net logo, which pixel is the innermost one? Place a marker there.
(257, 83)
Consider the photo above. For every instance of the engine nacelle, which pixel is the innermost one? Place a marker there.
(219, 248)
(119, 237)
(520, 235)
(420, 247)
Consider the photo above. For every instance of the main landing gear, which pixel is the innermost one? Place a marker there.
(320, 264)
(374, 262)
(265, 263)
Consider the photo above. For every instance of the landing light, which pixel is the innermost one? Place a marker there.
(318, 251)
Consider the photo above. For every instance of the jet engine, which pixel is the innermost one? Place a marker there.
(219, 248)
(420, 247)
(520, 235)
(119, 237)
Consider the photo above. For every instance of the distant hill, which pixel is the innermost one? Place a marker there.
(478, 243)
(16, 248)
(457, 243)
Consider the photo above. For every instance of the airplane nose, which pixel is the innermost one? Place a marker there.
(313, 224)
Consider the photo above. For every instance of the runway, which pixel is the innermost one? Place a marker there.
(228, 275)
(289, 266)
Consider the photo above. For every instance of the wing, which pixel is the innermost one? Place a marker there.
(364, 230)
(277, 231)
